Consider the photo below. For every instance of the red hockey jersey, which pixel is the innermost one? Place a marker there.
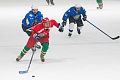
(39, 28)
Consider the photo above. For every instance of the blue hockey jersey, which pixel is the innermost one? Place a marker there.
(30, 17)
(74, 14)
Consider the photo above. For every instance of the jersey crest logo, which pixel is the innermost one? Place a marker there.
(76, 17)
(30, 15)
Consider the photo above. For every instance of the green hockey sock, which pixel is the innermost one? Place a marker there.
(45, 47)
(43, 53)
(24, 51)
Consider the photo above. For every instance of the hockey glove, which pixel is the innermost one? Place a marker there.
(64, 23)
(37, 37)
(29, 30)
(35, 23)
(61, 28)
(84, 18)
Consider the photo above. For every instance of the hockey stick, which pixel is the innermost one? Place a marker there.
(104, 32)
(26, 71)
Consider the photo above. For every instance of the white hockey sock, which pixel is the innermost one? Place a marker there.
(71, 27)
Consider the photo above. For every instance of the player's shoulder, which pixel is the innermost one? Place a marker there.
(38, 12)
(52, 20)
(82, 8)
(29, 12)
(72, 8)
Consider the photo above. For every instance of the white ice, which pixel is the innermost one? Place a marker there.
(89, 56)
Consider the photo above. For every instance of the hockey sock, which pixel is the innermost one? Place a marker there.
(24, 51)
(71, 27)
(99, 1)
(45, 47)
(43, 53)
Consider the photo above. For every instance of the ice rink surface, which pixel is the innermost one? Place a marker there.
(89, 56)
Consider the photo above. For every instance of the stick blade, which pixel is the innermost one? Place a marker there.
(23, 72)
(116, 37)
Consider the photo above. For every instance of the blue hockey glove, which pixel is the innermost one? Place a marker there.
(84, 18)
(37, 37)
(61, 28)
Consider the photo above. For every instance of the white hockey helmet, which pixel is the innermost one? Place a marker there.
(77, 5)
(34, 7)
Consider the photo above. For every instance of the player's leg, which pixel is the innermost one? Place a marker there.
(71, 25)
(79, 25)
(45, 47)
(24, 29)
(100, 4)
(29, 33)
(52, 2)
(31, 42)
(48, 2)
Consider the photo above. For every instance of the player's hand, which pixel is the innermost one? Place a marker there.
(34, 23)
(84, 18)
(29, 30)
(61, 28)
(37, 37)
(64, 23)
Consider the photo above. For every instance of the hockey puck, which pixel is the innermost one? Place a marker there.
(33, 76)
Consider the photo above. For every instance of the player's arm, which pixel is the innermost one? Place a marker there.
(84, 14)
(25, 21)
(29, 20)
(34, 29)
(41, 33)
(40, 17)
(58, 25)
(65, 17)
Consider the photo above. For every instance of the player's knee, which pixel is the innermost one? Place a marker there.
(71, 26)
(45, 47)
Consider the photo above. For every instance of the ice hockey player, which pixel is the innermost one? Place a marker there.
(100, 4)
(32, 18)
(40, 33)
(50, 1)
(74, 15)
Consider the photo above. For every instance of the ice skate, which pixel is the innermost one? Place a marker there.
(69, 34)
(19, 58)
(52, 4)
(98, 7)
(48, 2)
(78, 30)
(101, 7)
(42, 58)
